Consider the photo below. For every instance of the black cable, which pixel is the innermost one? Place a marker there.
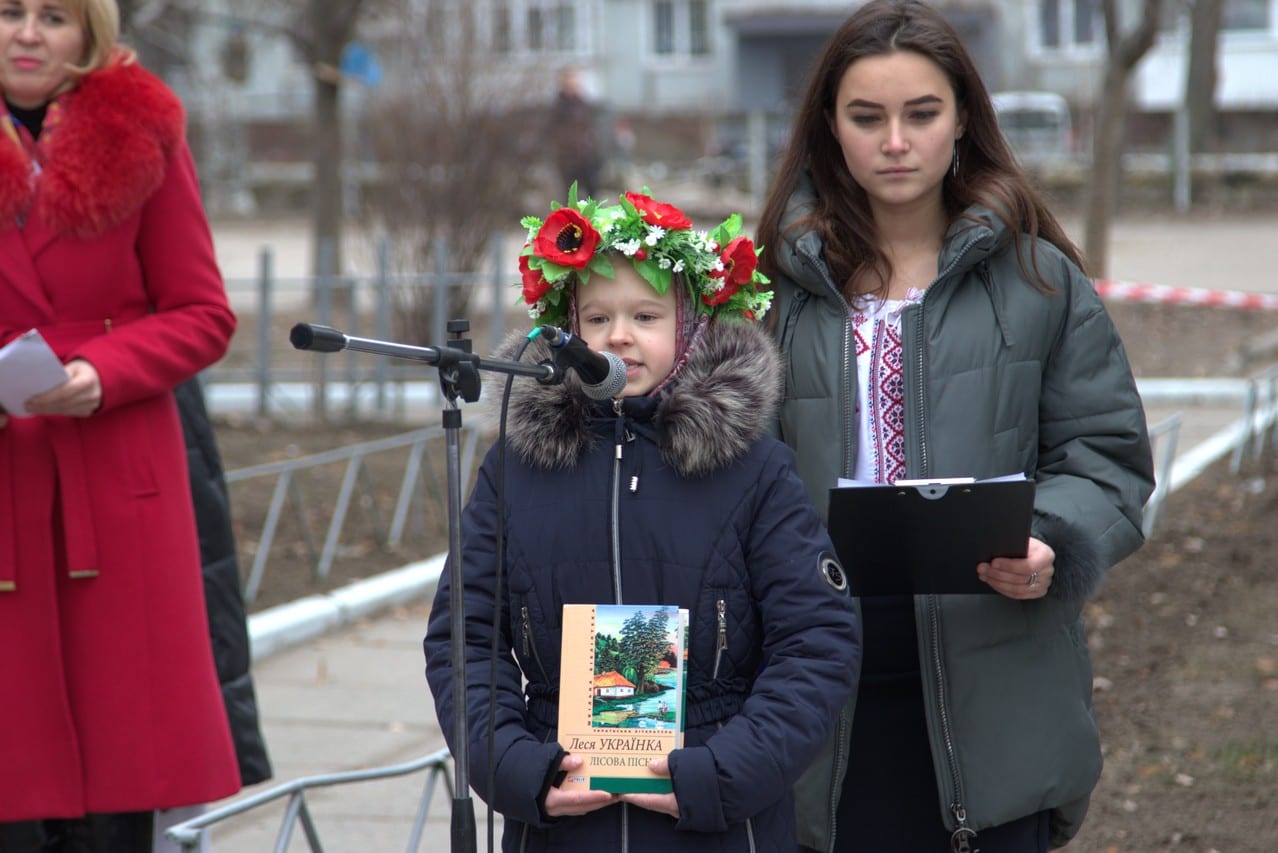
(500, 556)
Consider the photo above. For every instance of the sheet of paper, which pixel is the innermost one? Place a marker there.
(27, 367)
(845, 483)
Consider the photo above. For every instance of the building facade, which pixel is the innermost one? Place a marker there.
(685, 68)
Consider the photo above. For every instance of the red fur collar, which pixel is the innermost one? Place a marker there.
(104, 160)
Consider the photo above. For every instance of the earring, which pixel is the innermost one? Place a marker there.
(955, 166)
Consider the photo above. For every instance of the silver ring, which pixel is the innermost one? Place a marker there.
(1033, 579)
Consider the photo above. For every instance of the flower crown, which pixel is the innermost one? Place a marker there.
(719, 267)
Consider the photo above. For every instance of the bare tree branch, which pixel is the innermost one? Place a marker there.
(1123, 53)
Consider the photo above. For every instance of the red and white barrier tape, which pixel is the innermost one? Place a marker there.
(1127, 291)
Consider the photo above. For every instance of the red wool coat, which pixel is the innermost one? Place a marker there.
(108, 696)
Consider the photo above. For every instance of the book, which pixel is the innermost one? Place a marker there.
(926, 536)
(622, 678)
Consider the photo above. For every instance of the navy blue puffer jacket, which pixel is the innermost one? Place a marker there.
(699, 510)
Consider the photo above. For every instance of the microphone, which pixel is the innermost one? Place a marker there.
(603, 374)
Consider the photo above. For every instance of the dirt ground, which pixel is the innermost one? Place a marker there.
(1184, 633)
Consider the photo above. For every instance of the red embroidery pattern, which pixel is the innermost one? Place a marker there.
(858, 320)
(879, 339)
(890, 391)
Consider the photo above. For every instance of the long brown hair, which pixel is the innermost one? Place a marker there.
(988, 173)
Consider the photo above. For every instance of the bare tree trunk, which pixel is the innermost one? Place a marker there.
(326, 142)
(1124, 52)
(326, 194)
(1200, 85)
(1107, 173)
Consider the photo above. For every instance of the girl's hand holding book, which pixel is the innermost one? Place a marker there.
(563, 803)
(664, 803)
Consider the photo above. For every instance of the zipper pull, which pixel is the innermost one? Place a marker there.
(961, 841)
(721, 608)
(618, 429)
(526, 630)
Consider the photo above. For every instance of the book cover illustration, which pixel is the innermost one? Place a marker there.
(622, 676)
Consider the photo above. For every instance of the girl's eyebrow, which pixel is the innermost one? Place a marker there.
(913, 102)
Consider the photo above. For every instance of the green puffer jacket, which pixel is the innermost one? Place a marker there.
(999, 378)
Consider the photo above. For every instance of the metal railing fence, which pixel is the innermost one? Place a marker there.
(417, 481)
(1260, 419)
(380, 303)
(191, 834)
(1164, 437)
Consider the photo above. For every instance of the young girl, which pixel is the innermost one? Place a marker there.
(668, 494)
(936, 322)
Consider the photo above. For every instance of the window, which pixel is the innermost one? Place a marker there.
(1085, 15)
(1069, 24)
(698, 27)
(536, 29)
(549, 26)
(1236, 16)
(1049, 14)
(681, 28)
(663, 26)
(506, 26)
(501, 29)
(565, 31)
(1245, 15)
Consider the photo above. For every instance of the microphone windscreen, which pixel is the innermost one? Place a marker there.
(612, 384)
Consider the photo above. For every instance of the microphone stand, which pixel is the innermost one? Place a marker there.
(458, 377)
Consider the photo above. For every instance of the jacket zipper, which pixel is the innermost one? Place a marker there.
(616, 572)
(530, 648)
(919, 338)
(961, 839)
(721, 643)
(963, 835)
(616, 509)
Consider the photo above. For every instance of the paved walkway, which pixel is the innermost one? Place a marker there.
(352, 699)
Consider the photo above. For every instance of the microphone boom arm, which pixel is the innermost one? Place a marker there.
(318, 338)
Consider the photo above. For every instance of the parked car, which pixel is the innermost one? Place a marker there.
(1037, 126)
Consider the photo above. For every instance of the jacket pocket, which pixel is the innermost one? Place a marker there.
(523, 614)
(128, 437)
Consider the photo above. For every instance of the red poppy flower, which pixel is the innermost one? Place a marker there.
(739, 260)
(667, 216)
(566, 238)
(535, 284)
(719, 297)
(739, 263)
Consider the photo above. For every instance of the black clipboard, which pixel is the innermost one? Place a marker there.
(927, 538)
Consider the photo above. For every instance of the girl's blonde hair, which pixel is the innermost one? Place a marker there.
(100, 20)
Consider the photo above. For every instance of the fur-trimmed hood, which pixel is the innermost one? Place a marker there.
(708, 418)
(104, 160)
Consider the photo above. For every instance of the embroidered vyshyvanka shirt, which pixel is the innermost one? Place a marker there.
(880, 404)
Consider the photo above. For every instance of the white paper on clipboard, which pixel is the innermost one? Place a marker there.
(27, 367)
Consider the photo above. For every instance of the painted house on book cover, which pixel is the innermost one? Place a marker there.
(613, 685)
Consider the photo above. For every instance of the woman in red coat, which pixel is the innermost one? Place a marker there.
(109, 703)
